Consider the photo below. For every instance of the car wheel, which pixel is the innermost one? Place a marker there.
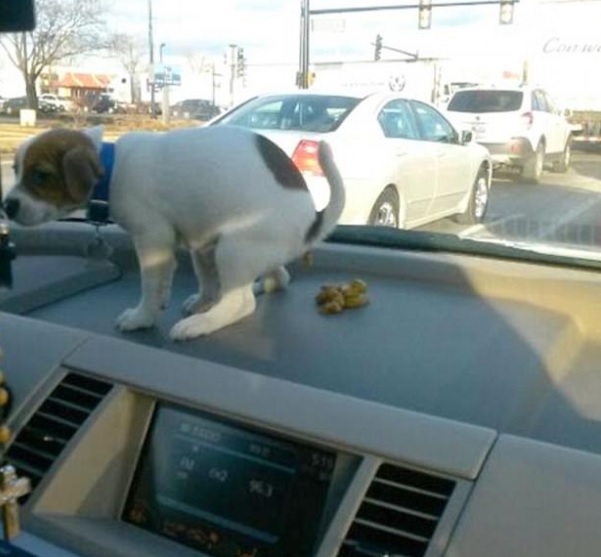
(563, 164)
(533, 169)
(478, 204)
(385, 211)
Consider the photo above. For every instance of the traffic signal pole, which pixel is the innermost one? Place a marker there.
(303, 70)
(307, 12)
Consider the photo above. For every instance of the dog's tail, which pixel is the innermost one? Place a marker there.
(326, 219)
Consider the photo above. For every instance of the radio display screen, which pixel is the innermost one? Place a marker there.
(227, 490)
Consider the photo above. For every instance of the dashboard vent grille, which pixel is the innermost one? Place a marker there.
(55, 422)
(398, 515)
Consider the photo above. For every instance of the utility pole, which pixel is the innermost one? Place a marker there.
(303, 69)
(151, 51)
(233, 56)
(167, 79)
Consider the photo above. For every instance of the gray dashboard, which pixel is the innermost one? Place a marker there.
(472, 375)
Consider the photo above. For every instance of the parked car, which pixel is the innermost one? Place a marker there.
(46, 107)
(13, 105)
(403, 163)
(521, 127)
(61, 103)
(106, 104)
(197, 109)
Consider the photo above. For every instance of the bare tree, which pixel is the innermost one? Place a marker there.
(65, 28)
(199, 63)
(131, 52)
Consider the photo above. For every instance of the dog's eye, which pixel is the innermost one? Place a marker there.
(40, 176)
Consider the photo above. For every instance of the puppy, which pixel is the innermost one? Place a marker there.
(233, 197)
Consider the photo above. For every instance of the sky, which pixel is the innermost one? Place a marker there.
(268, 30)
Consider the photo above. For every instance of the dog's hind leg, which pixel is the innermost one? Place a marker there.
(156, 256)
(205, 268)
(233, 306)
(237, 260)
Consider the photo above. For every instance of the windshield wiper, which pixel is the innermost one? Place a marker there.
(498, 248)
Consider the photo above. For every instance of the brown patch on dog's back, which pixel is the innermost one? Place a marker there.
(280, 165)
(44, 174)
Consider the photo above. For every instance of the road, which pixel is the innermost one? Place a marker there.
(563, 208)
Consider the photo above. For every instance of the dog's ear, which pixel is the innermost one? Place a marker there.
(95, 134)
(82, 171)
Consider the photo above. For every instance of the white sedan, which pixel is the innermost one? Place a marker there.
(403, 163)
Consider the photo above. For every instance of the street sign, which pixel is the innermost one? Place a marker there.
(166, 74)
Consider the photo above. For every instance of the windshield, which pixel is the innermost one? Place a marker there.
(486, 101)
(476, 121)
(319, 113)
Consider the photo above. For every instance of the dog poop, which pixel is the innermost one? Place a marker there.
(332, 299)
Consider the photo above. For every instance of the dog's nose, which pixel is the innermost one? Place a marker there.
(11, 207)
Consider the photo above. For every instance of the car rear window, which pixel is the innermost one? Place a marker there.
(486, 101)
(316, 113)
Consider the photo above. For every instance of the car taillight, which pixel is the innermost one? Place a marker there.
(526, 119)
(305, 157)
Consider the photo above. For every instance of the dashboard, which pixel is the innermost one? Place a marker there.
(456, 414)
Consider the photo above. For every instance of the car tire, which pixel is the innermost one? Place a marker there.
(533, 169)
(563, 164)
(479, 198)
(385, 211)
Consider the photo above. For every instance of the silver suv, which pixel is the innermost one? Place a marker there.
(520, 126)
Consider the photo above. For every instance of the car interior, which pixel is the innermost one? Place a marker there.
(456, 414)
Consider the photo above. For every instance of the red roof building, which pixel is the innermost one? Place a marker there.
(77, 84)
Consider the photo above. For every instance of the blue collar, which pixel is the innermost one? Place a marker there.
(98, 206)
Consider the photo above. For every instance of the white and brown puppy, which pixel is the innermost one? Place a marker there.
(233, 197)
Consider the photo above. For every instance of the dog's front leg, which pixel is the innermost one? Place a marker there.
(157, 265)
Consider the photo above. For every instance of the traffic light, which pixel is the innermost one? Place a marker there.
(378, 47)
(240, 63)
(425, 14)
(311, 79)
(506, 12)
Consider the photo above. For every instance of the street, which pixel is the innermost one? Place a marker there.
(563, 208)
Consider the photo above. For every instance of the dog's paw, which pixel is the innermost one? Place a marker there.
(133, 319)
(272, 282)
(276, 280)
(192, 327)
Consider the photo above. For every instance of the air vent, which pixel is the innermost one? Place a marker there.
(398, 515)
(46, 434)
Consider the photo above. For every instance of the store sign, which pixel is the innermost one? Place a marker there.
(557, 45)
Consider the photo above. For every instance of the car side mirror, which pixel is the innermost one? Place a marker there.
(466, 137)
(566, 112)
(17, 15)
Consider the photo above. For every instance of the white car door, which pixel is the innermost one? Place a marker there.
(454, 170)
(558, 127)
(414, 160)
